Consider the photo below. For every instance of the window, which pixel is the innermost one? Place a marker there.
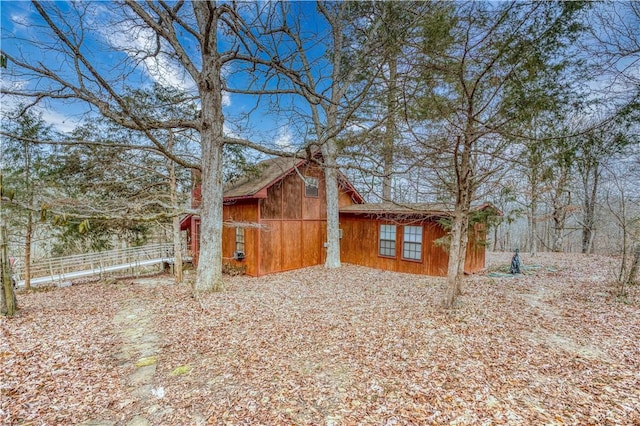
(387, 240)
(311, 186)
(412, 243)
(239, 240)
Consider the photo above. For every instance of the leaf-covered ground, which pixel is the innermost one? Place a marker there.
(316, 346)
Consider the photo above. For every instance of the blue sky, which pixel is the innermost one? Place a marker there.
(22, 28)
(106, 44)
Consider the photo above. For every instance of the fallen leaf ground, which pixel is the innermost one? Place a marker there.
(335, 347)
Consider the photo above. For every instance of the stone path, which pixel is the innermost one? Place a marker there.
(139, 350)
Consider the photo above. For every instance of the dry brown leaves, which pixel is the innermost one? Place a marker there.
(348, 346)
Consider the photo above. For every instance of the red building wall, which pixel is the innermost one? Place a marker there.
(360, 246)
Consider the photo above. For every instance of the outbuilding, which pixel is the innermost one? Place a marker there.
(275, 220)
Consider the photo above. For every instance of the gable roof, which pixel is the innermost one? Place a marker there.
(269, 173)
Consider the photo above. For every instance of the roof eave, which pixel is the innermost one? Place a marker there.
(261, 194)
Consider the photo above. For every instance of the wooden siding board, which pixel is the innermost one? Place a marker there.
(292, 197)
(437, 259)
(312, 239)
(344, 199)
(271, 207)
(292, 247)
(315, 207)
(270, 247)
(475, 260)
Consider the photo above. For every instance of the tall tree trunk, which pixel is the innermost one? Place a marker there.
(462, 256)
(177, 251)
(29, 229)
(635, 266)
(533, 235)
(589, 205)
(390, 132)
(329, 152)
(459, 226)
(209, 275)
(559, 218)
(27, 250)
(8, 303)
(453, 286)
(175, 221)
(210, 257)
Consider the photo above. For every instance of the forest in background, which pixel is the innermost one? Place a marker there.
(530, 106)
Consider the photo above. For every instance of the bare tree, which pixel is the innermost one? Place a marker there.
(623, 204)
(194, 42)
(332, 86)
(500, 68)
(596, 149)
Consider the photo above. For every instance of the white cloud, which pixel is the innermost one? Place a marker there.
(226, 99)
(11, 84)
(226, 130)
(60, 122)
(20, 19)
(284, 140)
(139, 44)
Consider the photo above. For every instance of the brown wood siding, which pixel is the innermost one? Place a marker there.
(344, 199)
(291, 244)
(270, 247)
(476, 249)
(241, 211)
(359, 246)
(195, 239)
(271, 207)
(436, 257)
(294, 225)
(315, 207)
(314, 234)
(292, 197)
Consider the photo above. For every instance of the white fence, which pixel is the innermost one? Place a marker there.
(58, 269)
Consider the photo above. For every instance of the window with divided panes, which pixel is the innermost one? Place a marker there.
(240, 240)
(387, 240)
(412, 242)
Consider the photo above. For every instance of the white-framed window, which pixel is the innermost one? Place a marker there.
(387, 243)
(311, 186)
(412, 242)
(239, 240)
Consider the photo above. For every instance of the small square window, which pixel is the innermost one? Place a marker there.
(311, 185)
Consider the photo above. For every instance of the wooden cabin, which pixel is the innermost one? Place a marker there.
(404, 238)
(275, 221)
